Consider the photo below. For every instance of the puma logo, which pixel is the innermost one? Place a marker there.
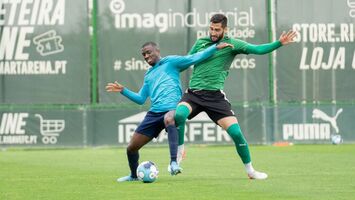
(318, 114)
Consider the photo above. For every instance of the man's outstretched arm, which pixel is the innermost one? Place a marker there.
(285, 38)
(138, 98)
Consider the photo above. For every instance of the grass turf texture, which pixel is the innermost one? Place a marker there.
(211, 172)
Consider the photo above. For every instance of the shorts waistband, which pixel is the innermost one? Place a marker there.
(198, 90)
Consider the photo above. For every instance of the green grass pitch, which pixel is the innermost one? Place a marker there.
(210, 172)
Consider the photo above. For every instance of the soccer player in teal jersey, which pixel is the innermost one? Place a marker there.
(162, 85)
(205, 91)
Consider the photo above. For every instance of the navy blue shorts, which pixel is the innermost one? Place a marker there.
(152, 124)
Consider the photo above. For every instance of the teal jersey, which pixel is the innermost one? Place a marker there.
(211, 73)
(162, 81)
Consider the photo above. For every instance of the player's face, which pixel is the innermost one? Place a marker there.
(216, 31)
(151, 54)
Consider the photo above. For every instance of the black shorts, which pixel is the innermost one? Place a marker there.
(214, 103)
(152, 124)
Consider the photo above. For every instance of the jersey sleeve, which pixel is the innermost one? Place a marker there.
(263, 48)
(184, 62)
(239, 46)
(139, 97)
(247, 48)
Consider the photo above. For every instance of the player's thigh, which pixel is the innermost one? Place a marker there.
(226, 122)
(138, 141)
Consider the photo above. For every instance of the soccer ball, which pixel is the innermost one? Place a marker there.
(147, 171)
(336, 139)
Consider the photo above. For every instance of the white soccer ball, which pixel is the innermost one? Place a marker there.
(336, 139)
(147, 171)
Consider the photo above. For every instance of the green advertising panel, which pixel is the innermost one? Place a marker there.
(320, 66)
(247, 20)
(315, 124)
(115, 127)
(123, 27)
(44, 128)
(44, 52)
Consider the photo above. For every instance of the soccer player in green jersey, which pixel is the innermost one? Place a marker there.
(205, 92)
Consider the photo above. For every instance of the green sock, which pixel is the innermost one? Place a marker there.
(240, 142)
(181, 114)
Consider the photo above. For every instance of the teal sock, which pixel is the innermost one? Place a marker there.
(240, 143)
(181, 114)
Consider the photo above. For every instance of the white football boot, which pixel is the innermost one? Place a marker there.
(257, 175)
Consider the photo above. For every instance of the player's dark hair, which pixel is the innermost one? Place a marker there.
(219, 18)
(153, 44)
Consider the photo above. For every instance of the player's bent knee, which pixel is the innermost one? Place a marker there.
(180, 118)
(181, 114)
(235, 132)
(131, 149)
(169, 120)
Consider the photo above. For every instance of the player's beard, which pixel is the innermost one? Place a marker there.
(218, 38)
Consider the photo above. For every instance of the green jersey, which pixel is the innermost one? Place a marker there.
(212, 73)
